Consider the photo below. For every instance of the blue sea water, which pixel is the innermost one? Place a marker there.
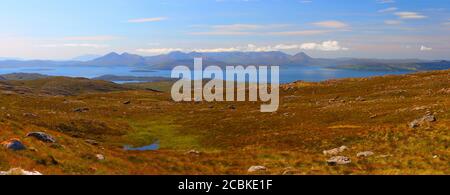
(305, 73)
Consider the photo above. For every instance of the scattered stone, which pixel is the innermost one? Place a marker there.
(338, 160)
(335, 151)
(100, 157)
(13, 144)
(361, 99)
(81, 109)
(42, 136)
(444, 91)
(288, 171)
(373, 116)
(92, 142)
(30, 115)
(19, 171)
(429, 117)
(127, 102)
(193, 152)
(254, 169)
(232, 107)
(365, 154)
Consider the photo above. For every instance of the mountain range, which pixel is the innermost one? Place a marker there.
(170, 60)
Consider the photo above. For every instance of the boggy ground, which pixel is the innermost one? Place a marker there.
(369, 114)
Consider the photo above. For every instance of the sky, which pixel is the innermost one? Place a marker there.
(55, 29)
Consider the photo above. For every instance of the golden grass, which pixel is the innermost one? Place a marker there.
(312, 117)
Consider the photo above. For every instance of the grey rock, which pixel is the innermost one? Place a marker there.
(42, 137)
(339, 160)
(254, 169)
(13, 144)
(335, 151)
(19, 171)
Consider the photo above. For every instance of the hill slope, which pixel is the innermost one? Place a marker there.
(367, 114)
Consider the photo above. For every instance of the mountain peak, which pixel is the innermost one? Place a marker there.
(111, 54)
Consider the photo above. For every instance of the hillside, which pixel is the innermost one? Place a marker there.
(92, 122)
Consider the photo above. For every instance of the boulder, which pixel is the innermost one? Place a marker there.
(100, 157)
(193, 152)
(81, 109)
(338, 160)
(19, 171)
(254, 169)
(13, 144)
(429, 117)
(335, 151)
(42, 136)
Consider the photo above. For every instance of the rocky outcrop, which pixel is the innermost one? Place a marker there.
(339, 160)
(335, 151)
(19, 171)
(42, 137)
(13, 144)
(254, 169)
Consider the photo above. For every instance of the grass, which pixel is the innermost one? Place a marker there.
(164, 131)
(312, 117)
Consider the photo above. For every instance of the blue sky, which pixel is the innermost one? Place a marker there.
(55, 29)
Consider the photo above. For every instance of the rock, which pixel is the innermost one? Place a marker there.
(338, 160)
(92, 142)
(335, 151)
(30, 115)
(19, 171)
(361, 99)
(414, 124)
(254, 169)
(365, 154)
(193, 152)
(81, 109)
(429, 117)
(100, 157)
(42, 136)
(232, 107)
(13, 144)
(127, 102)
(288, 171)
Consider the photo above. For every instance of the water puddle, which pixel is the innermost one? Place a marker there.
(152, 147)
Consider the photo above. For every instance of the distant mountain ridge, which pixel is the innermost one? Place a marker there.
(170, 60)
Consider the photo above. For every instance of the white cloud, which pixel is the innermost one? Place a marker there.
(324, 46)
(392, 22)
(331, 24)
(410, 15)
(306, 1)
(424, 48)
(385, 1)
(144, 20)
(390, 9)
